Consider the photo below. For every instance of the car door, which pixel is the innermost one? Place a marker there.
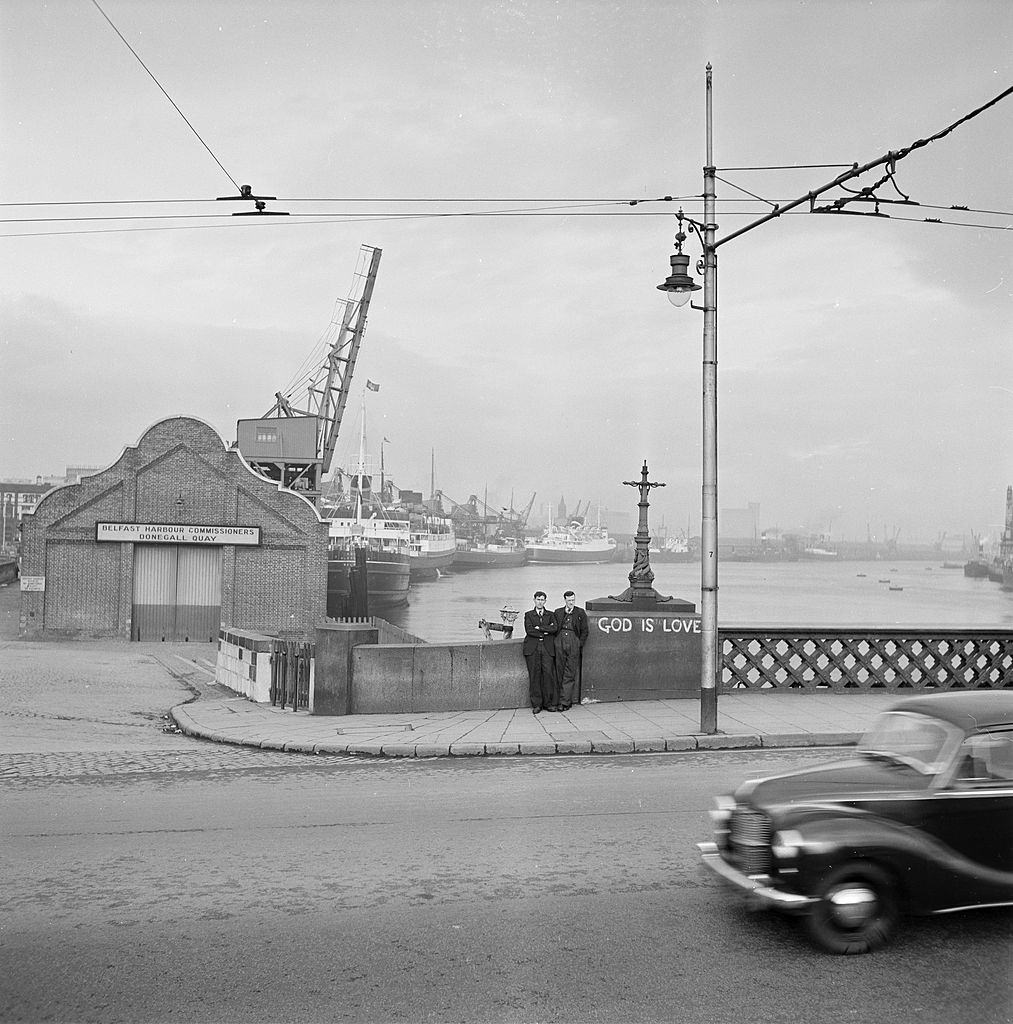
(973, 815)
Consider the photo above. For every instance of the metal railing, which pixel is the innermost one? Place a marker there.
(840, 659)
(290, 674)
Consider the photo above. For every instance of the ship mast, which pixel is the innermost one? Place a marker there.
(362, 458)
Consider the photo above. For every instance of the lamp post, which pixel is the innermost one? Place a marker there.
(680, 287)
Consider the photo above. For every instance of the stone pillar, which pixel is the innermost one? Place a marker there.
(641, 650)
(332, 683)
(641, 645)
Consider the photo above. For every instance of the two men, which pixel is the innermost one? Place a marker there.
(552, 644)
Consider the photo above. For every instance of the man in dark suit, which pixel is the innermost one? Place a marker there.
(540, 654)
(571, 634)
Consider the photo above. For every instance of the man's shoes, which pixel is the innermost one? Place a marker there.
(537, 711)
(552, 707)
(565, 707)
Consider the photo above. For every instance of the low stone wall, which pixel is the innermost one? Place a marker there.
(474, 676)
(244, 663)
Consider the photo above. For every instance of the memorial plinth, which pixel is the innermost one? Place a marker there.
(641, 645)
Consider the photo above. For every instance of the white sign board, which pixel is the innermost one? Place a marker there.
(33, 583)
(176, 533)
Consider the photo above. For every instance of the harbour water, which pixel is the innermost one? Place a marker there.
(750, 593)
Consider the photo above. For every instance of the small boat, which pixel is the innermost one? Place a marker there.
(896, 588)
(860, 575)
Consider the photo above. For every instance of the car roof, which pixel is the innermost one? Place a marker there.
(968, 709)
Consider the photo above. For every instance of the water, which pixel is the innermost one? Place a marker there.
(750, 593)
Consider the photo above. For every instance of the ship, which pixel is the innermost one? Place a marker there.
(364, 533)
(383, 544)
(433, 545)
(573, 543)
(497, 553)
(820, 554)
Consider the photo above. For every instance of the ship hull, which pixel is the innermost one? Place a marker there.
(976, 570)
(387, 581)
(430, 564)
(383, 545)
(569, 556)
(489, 558)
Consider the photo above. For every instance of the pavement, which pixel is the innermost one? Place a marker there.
(745, 720)
(90, 697)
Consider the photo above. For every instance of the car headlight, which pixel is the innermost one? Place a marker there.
(786, 845)
(722, 812)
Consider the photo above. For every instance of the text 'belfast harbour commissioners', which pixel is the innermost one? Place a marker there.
(176, 533)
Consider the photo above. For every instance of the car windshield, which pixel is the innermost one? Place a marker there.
(916, 740)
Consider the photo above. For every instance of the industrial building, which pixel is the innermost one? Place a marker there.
(176, 539)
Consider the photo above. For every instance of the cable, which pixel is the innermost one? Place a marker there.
(165, 94)
(454, 199)
(229, 223)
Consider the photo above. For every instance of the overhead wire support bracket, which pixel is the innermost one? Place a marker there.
(260, 202)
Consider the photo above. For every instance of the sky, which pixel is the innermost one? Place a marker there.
(865, 377)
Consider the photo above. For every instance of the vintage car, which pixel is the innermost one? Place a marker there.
(919, 821)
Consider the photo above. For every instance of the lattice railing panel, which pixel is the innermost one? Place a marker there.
(829, 658)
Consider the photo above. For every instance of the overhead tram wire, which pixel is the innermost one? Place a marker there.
(166, 95)
(227, 222)
(573, 204)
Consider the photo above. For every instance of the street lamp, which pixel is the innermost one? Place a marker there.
(679, 286)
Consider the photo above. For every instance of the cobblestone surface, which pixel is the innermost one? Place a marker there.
(79, 710)
(81, 765)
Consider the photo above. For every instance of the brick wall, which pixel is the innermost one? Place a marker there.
(179, 472)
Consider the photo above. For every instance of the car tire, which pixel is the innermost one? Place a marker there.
(857, 909)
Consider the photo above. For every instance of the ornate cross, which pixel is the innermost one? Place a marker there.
(645, 486)
(641, 577)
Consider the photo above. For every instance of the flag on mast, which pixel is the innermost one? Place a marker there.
(370, 386)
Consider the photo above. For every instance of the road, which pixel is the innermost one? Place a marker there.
(148, 876)
(226, 884)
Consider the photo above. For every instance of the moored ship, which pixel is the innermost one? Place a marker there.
(433, 545)
(497, 553)
(383, 543)
(572, 544)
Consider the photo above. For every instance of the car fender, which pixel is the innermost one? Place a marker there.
(929, 874)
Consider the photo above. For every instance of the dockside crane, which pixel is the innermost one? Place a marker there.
(294, 441)
(475, 515)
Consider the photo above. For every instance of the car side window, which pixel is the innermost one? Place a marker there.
(986, 760)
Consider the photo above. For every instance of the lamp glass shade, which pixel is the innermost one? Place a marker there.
(679, 298)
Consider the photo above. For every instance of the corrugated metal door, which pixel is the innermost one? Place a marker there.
(198, 593)
(177, 592)
(154, 613)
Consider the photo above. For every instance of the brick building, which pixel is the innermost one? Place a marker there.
(18, 498)
(175, 540)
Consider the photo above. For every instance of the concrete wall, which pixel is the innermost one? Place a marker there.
(244, 664)
(477, 676)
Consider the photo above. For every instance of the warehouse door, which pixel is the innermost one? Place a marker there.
(177, 592)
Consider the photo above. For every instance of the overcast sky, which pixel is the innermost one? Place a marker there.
(865, 375)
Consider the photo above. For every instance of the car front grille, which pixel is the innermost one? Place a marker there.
(749, 841)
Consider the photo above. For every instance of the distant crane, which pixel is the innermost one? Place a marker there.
(475, 515)
(294, 441)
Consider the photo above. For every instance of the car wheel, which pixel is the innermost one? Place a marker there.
(857, 909)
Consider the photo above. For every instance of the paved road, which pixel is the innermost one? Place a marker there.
(549, 889)
(151, 876)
